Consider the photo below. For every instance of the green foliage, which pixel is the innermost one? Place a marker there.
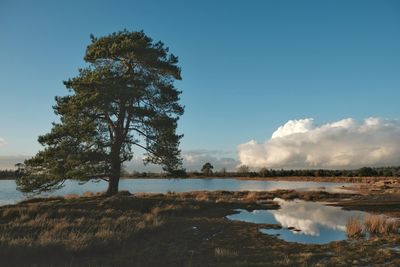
(8, 174)
(361, 172)
(207, 168)
(125, 97)
(366, 171)
(179, 173)
(243, 169)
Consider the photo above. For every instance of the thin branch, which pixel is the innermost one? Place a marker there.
(111, 126)
(146, 149)
(128, 121)
(144, 134)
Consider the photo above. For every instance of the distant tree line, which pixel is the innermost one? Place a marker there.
(244, 171)
(8, 174)
(12, 174)
(361, 172)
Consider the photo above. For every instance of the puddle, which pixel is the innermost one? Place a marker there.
(302, 221)
(396, 249)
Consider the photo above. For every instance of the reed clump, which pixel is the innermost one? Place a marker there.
(354, 228)
(224, 252)
(373, 224)
(380, 224)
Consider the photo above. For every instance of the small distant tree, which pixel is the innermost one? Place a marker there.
(223, 172)
(264, 172)
(387, 172)
(124, 98)
(179, 173)
(207, 169)
(243, 169)
(20, 167)
(319, 173)
(366, 171)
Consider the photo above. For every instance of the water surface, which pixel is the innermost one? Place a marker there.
(9, 194)
(308, 222)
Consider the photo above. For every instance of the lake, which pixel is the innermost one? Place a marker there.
(302, 221)
(9, 194)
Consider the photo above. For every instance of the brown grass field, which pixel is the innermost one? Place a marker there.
(175, 229)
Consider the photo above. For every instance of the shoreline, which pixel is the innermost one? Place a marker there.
(365, 179)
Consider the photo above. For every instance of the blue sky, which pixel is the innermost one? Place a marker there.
(248, 66)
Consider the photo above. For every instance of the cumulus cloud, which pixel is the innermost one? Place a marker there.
(2, 142)
(310, 216)
(8, 162)
(192, 160)
(341, 144)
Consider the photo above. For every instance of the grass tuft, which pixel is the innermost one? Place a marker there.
(380, 224)
(354, 228)
(225, 253)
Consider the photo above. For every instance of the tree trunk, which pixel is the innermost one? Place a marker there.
(114, 177)
(113, 185)
(118, 139)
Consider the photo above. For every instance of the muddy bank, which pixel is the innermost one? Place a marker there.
(380, 204)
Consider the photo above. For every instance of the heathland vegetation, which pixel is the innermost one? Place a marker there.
(175, 229)
(373, 224)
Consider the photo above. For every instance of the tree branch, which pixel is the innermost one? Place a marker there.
(111, 126)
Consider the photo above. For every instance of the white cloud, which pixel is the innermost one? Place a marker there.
(192, 160)
(2, 142)
(8, 162)
(341, 144)
(309, 216)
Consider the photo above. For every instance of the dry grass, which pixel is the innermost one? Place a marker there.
(202, 196)
(354, 228)
(373, 224)
(73, 227)
(251, 196)
(380, 224)
(225, 253)
(88, 194)
(71, 196)
(165, 230)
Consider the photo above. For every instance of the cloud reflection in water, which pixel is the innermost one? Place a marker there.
(314, 221)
